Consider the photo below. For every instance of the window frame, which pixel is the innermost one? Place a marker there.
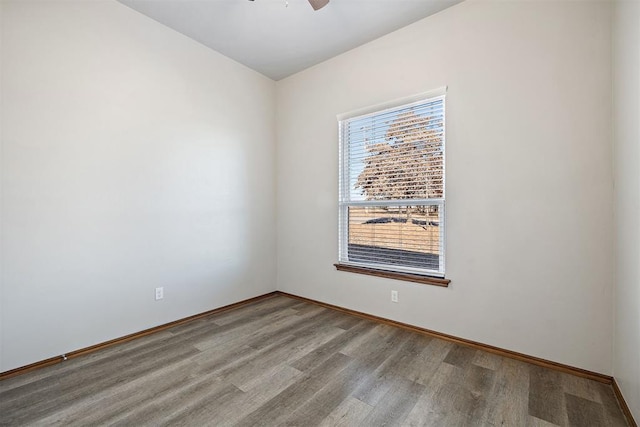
(413, 274)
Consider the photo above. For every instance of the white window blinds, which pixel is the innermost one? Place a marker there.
(392, 188)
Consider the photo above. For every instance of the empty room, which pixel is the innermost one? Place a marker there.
(320, 212)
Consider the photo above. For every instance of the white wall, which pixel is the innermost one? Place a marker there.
(529, 176)
(626, 92)
(1, 270)
(132, 157)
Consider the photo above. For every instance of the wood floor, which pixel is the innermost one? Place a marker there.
(280, 361)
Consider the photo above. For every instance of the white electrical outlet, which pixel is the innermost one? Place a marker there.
(394, 296)
(159, 293)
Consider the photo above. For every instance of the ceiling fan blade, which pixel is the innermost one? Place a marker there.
(318, 4)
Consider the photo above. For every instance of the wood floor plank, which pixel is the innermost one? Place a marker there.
(537, 422)
(31, 380)
(230, 333)
(396, 404)
(280, 353)
(165, 405)
(351, 412)
(70, 372)
(302, 306)
(379, 356)
(269, 381)
(254, 310)
(306, 323)
(369, 334)
(335, 391)
(245, 334)
(97, 408)
(199, 410)
(474, 400)
(487, 360)
(580, 387)
(258, 393)
(435, 407)
(510, 395)
(226, 365)
(546, 397)
(457, 396)
(613, 413)
(326, 350)
(583, 412)
(427, 362)
(347, 322)
(408, 360)
(219, 358)
(460, 355)
(282, 361)
(275, 410)
(375, 346)
(68, 389)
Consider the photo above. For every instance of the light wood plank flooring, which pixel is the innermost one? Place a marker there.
(280, 361)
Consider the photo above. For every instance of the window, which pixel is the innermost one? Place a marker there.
(392, 195)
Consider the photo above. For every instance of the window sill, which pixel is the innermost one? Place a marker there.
(417, 278)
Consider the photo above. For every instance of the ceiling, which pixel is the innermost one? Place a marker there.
(279, 40)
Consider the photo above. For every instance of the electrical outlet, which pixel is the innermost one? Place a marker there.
(159, 293)
(394, 296)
